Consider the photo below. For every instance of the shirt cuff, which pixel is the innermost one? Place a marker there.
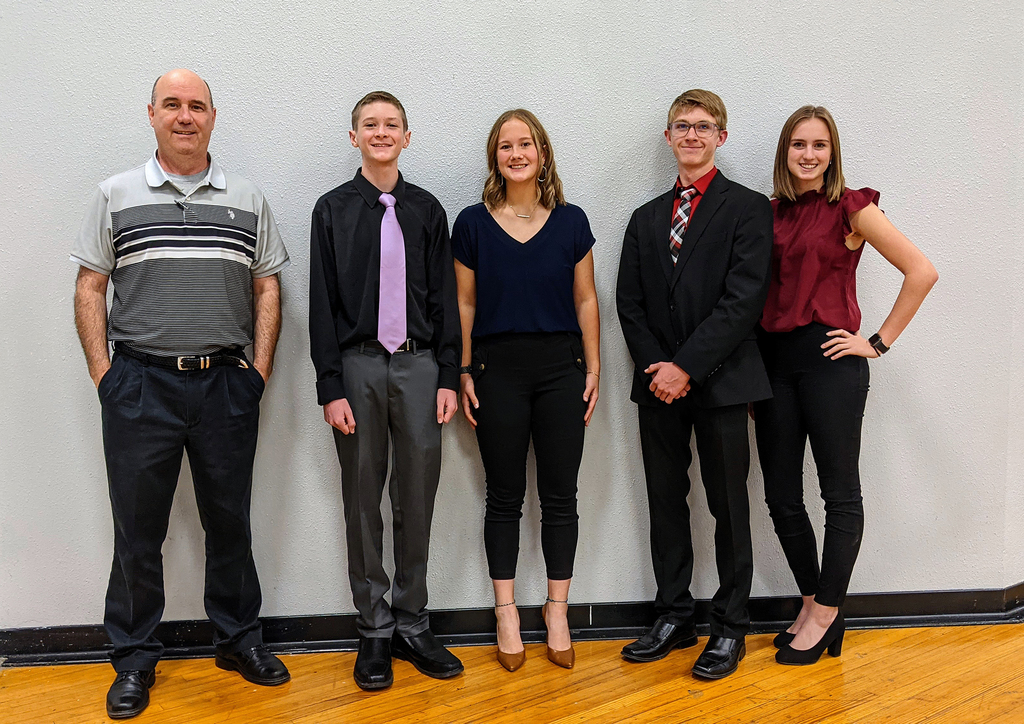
(448, 378)
(329, 390)
(266, 273)
(89, 265)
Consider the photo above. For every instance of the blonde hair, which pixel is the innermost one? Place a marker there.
(697, 98)
(550, 185)
(782, 179)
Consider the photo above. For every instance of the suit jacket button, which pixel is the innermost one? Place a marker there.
(672, 307)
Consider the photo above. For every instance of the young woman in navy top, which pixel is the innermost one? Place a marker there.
(531, 362)
(817, 363)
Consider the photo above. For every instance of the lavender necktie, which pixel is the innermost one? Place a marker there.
(391, 323)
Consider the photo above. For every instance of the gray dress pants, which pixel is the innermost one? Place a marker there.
(394, 394)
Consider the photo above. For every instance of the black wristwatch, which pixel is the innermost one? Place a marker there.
(875, 341)
(468, 369)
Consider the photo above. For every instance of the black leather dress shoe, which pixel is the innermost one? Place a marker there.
(427, 654)
(373, 664)
(719, 658)
(129, 694)
(256, 665)
(662, 638)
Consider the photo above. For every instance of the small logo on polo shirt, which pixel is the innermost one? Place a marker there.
(231, 213)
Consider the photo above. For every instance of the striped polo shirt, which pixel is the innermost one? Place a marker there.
(181, 260)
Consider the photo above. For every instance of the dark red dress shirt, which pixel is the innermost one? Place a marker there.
(814, 273)
(701, 185)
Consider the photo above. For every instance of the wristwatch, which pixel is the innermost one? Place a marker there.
(468, 369)
(875, 341)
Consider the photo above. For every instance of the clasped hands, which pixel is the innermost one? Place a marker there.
(669, 381)
(338, 413)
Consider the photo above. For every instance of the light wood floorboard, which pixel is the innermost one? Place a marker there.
(955, 674)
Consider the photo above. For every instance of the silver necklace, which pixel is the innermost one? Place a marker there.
(524, 216)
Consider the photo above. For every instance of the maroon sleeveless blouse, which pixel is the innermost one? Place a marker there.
(814, 273)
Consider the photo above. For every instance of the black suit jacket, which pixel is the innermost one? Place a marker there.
(701, 313)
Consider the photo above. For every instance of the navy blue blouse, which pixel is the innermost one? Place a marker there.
(523, 287)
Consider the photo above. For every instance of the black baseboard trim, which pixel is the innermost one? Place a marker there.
(475, 626)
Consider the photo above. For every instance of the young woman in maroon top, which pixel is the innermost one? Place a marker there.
(816, 359)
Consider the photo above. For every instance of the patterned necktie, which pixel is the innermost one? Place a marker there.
(391, 322)
(679, 222)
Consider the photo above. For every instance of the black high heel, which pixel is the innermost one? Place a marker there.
(832, 640)
(783, 639)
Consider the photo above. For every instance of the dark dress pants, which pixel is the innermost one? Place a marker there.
(530, 386)
(396, 394)
(150, 415)
(822, 400)
(724, 454)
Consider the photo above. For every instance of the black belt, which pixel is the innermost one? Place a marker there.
(231, 357)
(409, 346)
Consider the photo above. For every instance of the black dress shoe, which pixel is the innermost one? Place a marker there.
(427, 654)
(129, 694)
(373, 664)
(662, 638)
(256, 665)
(720, 657)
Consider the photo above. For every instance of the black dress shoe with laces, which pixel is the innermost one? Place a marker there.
(427, 654)
(129, 694)
(720, 657)
(662, 638)
(373, 664)
(256, 665)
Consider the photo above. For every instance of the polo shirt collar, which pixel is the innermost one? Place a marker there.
(371, 194)
(157, 177)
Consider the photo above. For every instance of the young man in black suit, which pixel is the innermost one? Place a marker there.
(693, 277)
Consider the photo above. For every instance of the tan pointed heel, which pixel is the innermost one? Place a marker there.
(566, 659)
(511, 662)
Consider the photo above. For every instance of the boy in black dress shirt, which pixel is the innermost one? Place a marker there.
(385, 343)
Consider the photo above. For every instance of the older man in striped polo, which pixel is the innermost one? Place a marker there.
(193, 253)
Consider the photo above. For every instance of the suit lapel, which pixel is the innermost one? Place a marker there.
(713, 198)
(660, 234)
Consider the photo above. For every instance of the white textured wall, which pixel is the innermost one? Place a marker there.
(928, 98)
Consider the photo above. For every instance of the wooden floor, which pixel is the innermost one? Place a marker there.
(961, 674)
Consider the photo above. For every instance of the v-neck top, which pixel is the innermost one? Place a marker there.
(814, 273)
(523, 286)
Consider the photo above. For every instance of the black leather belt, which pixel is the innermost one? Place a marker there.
(375, 346)
(231, 357)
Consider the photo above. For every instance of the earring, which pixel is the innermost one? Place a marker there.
(542, 179)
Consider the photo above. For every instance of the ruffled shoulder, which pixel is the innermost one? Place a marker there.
(852, 201)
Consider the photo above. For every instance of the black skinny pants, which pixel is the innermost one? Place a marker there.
(530, 386)
(820, 399)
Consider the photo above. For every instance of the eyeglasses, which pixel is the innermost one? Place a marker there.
(703, 129)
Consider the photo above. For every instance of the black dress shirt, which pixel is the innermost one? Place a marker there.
(344, 279)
